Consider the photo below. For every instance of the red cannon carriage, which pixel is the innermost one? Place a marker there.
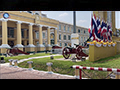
(15, 51)
(71, 50)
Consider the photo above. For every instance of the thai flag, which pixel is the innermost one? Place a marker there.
(90, 29)
(99, 30)
(104, 28)
(109, 32)
(104, 32)
(98, 23)
(95, 25)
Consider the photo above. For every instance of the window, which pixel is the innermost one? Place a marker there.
(37, 35)
(81, 31)
(65, 44)
(11, 33)
(22, 32)
(43, 35)
(72, 29)
(81, 38)
(78, 30)
(84, 31)
(59, 36)
(69, 37)
(84, 38)
(68, 28)
(59, 27)
(60, 44)
(64, 37)
(44, 44)
(64, 27)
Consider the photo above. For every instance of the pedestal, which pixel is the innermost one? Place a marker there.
(40, 48)
(30, 48)
(74, 39)
(48, 47)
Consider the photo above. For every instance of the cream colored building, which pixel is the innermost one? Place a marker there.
(64, 34)
(33, 31)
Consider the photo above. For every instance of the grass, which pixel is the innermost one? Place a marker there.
(63, 67)
(25, 56)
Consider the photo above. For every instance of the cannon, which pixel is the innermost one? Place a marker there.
(15, 51)
(71, 50)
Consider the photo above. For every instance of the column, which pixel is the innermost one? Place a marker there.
(30, 35)
(19, 45)
(30, 48)
(34, 37)
(48, 47)
(4, 37)
(55, 38)
(40, 46)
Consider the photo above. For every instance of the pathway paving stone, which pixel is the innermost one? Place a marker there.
(7, 72)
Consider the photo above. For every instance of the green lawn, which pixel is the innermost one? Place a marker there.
(25, 56)
(63, 67)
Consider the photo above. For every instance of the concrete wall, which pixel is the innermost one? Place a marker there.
(118, 47)
(96, 53)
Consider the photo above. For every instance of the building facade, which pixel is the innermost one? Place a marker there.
(32, 31)
(64, 34)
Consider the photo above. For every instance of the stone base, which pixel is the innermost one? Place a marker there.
(30, 49)
(19, 46)
(4, 47)
(40, 49)
(48, 48)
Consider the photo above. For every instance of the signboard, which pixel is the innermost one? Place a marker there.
(6, 15)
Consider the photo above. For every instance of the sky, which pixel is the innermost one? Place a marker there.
(83, 18)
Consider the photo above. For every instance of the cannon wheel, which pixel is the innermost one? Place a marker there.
(65, 54)
(78, 52)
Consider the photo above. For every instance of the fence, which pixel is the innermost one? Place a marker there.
(79, 69)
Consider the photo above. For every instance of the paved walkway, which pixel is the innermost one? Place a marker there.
(7, 72)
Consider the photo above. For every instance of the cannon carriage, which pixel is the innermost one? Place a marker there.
(71, 50)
